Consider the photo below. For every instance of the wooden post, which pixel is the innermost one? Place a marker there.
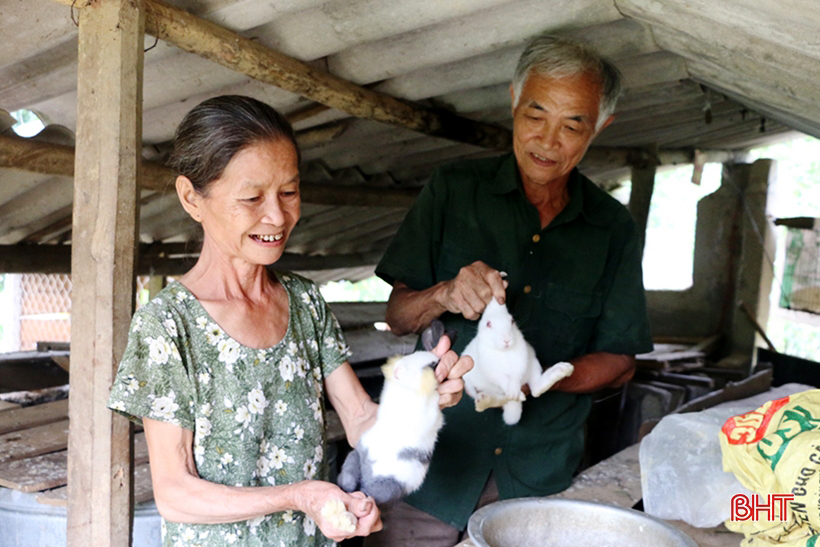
(757, 250)
(109, 128)
(640, 198)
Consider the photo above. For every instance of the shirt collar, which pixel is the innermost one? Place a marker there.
(508, 179)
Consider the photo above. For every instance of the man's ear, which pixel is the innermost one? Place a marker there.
(189, 197)
(604, 125)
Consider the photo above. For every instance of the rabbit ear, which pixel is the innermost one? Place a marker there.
(432, 334)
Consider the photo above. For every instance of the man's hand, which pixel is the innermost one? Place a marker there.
(471, 290)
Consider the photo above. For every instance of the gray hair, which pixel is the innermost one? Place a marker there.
(215, 130)
(560, 57)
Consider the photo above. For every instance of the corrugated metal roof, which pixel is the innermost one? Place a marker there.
(698, 75)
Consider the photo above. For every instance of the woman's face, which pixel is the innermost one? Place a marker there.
(250, 210)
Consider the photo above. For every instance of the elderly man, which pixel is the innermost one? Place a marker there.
(573, 283)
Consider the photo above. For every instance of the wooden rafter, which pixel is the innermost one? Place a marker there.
(161, 258)
(55, 159)
(236, 52)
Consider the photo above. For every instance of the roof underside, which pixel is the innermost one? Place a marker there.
(699, 75)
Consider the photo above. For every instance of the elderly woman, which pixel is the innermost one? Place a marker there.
(227, 368)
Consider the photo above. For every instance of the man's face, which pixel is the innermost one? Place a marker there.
(553, 124)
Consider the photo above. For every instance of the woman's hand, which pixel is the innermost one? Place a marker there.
(312, 497)
(449, 371)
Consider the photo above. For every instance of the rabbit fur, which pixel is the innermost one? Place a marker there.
(392, 457)
(504, 362)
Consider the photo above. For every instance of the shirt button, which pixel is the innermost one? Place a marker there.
(527, 289)
(498, 451)
(536, 238)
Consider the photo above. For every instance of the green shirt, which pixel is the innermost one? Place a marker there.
(257, 414)
(575, 288)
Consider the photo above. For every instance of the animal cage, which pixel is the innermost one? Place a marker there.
(801, 275)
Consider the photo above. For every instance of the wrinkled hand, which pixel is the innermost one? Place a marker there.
(449, 371)
(471, 290)
(314, 495)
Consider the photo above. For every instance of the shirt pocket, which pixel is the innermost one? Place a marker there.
(454, 257)
(569, 315)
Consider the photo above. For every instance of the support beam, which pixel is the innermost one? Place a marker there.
(234, 51)
(109, 102)
(640, 198)
(161, 258)
(55, 159)
(757, 250)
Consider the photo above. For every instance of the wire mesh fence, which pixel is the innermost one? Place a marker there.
(44, 309)
(801, 276)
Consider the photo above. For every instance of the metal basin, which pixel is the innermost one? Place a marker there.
(545, 522)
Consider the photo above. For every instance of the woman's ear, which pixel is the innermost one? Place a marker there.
(189, 197)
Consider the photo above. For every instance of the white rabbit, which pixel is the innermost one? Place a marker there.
(391, 458)
(504, 362)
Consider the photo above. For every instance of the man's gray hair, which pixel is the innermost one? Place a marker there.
(559, 57)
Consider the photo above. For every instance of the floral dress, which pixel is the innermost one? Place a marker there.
(257, 414)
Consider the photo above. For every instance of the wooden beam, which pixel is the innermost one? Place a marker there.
(54, 159)
(161, 258)
(640, 197)
(109, 129)
(234, 51)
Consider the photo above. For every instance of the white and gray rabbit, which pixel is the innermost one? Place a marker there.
(391, 458)
(504, 362)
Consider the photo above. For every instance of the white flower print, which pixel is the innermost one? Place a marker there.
(131, 384)
(301, 367)
(257, 401)
(171, 328)
(254, 523)
(287, 516)
(206, 410)
(286, 369)
(213, 334)
(318, 453)
(317, 412)
(279, 458)
(118, 405)
(230, 538)
(188, 534)
(203, 427)
(227, 402)
(137, 324)
(280, 407)
(204, 378)
(158, 350)
(309, 526)
(298, 432)
(309, 469)
(201, 322)
(243, 416)
(226, 459)
(199, 452)
(262, 466)
(228, 351)
(164, 407)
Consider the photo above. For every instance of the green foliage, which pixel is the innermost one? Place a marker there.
(371, 289)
